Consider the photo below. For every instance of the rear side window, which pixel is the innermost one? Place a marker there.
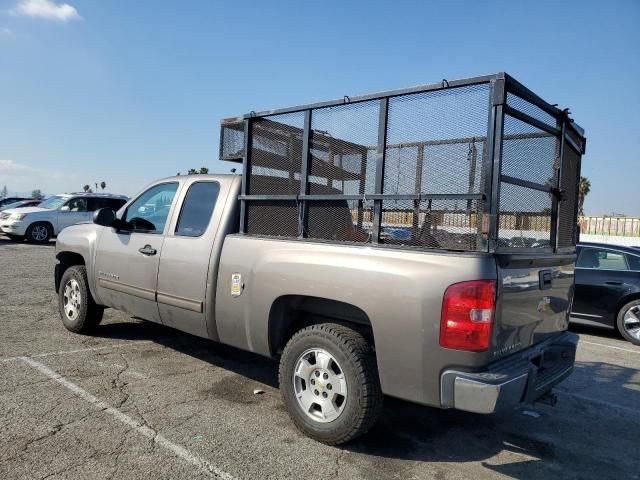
(197, 208)
(115, 203)
(602, 259)
(97, 203)
(634, 262)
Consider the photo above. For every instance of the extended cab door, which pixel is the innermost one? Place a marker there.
(186, 265)
(126, 265)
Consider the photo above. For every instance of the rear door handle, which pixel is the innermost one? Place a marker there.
(148, 250)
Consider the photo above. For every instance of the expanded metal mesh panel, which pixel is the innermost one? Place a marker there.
(530, 109)
(524, 217)
(436, 141)
(343, 146)
(340, 220)
(446, 224)
(272, 218)
(529, 153)
(232, 141)
(567, 211)
(276, 154)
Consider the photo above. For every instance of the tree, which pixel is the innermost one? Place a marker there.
(96, 184)
(4, 192)
(584, 187)
(103, 185)
(37, 194)
(195, 171)
(87, 188)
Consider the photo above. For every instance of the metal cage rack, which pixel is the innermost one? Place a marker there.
(481, 164)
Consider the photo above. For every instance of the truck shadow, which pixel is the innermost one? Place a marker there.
(528, 447)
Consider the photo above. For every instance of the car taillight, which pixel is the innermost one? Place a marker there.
(467, 315)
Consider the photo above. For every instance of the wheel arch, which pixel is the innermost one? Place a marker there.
(291, 313)
(46, 222)
(66, 260)
(622, 302)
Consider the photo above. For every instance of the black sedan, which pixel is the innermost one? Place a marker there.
(607, 288)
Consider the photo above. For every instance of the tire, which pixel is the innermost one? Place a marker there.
(39, 232)
(627, 324)
(78, 311)
(351, 367)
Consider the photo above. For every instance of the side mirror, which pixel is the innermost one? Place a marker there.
(104, 217)
(64, 208)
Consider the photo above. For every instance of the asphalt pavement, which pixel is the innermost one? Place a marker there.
(139, 400)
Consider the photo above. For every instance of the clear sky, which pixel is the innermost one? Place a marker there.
(128, 91)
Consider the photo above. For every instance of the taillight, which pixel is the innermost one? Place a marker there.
(467, 315)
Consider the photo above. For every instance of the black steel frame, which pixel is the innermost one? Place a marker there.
(500, 84)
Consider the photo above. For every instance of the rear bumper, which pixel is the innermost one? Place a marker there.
(520, 378)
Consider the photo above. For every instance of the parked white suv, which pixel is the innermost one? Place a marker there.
(39, 224)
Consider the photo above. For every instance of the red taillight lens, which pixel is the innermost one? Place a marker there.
(467, 315)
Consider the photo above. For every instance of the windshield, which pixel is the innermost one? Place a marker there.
(53, 203)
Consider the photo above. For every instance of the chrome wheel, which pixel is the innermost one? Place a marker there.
(631, 322)
(72, 299)
(39, 233)
(320, 385)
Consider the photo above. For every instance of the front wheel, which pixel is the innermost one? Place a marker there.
(78, 311)
(329, 383)
(39, 232)
(628, 322)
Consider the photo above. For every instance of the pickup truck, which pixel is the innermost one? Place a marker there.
(368, 245)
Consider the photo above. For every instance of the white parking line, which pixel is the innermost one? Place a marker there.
(80, 350)
(596, 401)
(610, 346)
(143, 430)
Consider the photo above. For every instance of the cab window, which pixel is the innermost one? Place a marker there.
(78, 204)
(602, 259)
(197, 208)
(149, 212)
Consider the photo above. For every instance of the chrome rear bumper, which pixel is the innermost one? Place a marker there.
(520, 378)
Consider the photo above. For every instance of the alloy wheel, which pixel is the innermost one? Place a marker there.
(72, 299)
(320, 385)
(631, 321)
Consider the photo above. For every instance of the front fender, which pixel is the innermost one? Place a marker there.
(78, 241)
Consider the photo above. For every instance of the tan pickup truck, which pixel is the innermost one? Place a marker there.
(418, 243)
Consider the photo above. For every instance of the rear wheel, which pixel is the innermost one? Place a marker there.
(329, 383)
(78, 311)
(628, 322)
(39, 232)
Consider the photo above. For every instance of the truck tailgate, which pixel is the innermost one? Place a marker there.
(534, 294)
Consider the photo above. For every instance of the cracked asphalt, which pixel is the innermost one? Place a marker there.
(139, 400)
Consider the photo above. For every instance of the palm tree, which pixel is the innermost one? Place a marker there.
(584, 187)
(103, 185)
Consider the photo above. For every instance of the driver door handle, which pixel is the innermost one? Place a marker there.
(148, 250)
